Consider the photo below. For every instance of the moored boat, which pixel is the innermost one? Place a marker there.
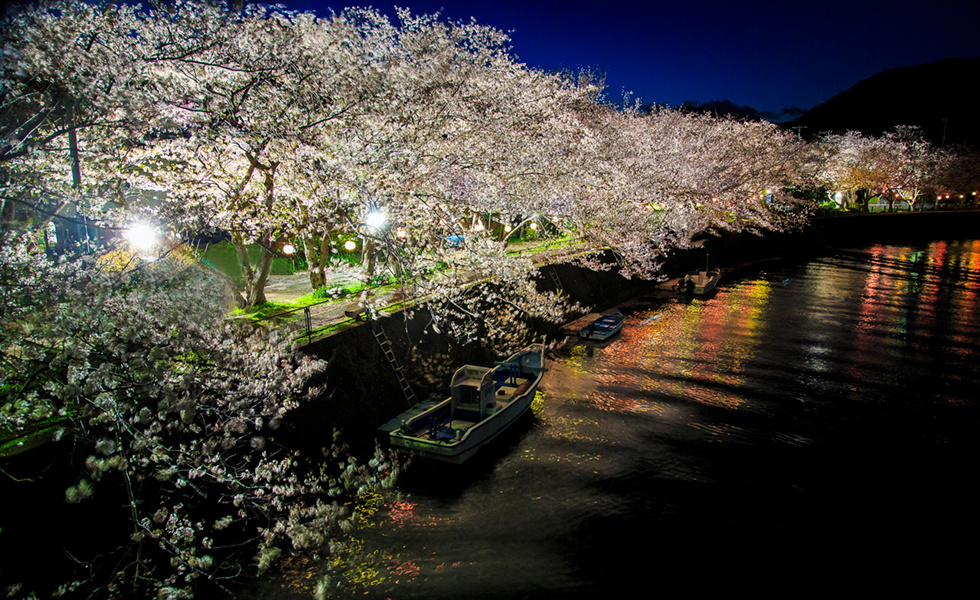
(484, 401)
(700, 282)
(603, 328)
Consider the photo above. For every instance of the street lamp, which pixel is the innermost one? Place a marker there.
(141, 236)
(143, 239)
(375, 220)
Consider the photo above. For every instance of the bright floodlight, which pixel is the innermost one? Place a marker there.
(375, 219)
(141, 236)
(288, 249)
(350, 245)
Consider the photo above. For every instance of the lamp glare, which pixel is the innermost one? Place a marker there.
(141, 236)
(375, 219)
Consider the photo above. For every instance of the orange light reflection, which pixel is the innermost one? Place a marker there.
(684, 350)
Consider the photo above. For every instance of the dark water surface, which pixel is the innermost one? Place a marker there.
(810, 428)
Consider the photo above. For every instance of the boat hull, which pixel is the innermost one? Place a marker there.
(459, 453)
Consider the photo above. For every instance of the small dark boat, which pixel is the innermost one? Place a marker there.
(700, 282)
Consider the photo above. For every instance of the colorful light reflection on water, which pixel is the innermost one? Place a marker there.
(783, 430)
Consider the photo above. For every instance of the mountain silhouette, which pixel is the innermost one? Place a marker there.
(938, 97)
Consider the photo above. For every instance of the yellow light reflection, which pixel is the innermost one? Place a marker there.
(538, 402)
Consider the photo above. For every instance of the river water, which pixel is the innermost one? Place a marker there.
(810, 427)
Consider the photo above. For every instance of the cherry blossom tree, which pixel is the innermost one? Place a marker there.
(245, 121)
(71, 85)
(859, 164)
(917, 164)
(452, 136)
(899, 164)
(959, 173)
(648, 182)
(133, 361)
(136, 367)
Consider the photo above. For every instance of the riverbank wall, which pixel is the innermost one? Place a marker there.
(892, 228)
(363, 389)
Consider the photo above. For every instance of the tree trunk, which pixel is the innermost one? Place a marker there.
(257, 293)
(64, 237)
(243, 261)
(76, 168)
(862, 201)
(6, 220)
(317, 255)
(369, 257)
(255, 277)
(397, 267)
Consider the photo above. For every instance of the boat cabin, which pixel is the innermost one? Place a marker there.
(472, 393)
(477, 392)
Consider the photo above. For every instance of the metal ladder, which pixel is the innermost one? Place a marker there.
(559, 289)
(385, 344)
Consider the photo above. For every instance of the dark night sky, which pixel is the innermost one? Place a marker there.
(768, 54)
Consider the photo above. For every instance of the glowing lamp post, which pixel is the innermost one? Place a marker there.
(143, 238)
(290, 250)
(375, 220)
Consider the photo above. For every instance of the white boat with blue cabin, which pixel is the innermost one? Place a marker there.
(484, 401)
(603, 328)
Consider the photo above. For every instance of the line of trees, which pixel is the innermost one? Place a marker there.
(897, 167)
(277, 126)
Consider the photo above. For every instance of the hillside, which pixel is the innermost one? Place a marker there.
(938, 97)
